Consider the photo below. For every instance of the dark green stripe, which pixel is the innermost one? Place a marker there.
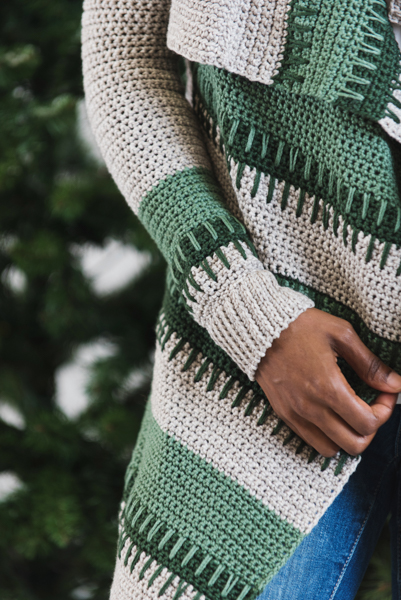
(169, 482)
(185, 216)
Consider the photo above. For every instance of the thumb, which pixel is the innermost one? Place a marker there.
(367, 365)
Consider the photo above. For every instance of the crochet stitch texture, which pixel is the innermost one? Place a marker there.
(394, 8)
(278, 190)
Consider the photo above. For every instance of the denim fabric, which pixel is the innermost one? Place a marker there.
(331, 561)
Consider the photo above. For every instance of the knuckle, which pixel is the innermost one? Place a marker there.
(374, 369)
(303, 407)
(351, 449)
(280, 414)
(276, 405)
(298, 404)
(348, 332)
(332, 396)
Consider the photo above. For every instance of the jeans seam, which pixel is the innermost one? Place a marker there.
(350, 555)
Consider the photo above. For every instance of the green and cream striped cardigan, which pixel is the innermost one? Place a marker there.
(277, 190)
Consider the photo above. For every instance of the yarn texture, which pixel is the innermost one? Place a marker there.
(259, 142)
(394, 7)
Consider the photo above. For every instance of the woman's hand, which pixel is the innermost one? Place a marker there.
(300, 376)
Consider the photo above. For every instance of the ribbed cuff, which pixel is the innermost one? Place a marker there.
(245, 310)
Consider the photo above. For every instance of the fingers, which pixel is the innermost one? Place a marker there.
(365, 419)
(329, 432)
(368, 366)
(313, 397)
(312, 435)
(336, 429)
(384, 405)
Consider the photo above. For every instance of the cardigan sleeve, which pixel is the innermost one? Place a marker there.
(153, 146)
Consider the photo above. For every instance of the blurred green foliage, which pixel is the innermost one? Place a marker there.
(59, 530)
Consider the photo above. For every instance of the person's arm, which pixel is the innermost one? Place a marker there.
(153, 147)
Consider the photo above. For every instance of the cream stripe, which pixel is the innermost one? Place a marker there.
(283, 481)
(244, 36)
(394, 7)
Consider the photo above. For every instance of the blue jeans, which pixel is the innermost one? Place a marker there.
(330, 562)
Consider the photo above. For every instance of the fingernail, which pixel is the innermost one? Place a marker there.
(394, 380)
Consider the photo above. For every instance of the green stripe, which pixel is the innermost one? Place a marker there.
(187, 503)
(294, 72)
(185, 216)
(308, 143)
(178, 204)
(382, 54)
(352, 62)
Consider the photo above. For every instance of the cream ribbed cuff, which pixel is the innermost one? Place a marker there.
(253, 314)
(245, 309)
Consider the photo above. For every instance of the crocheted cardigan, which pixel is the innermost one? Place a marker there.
(271, 185)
